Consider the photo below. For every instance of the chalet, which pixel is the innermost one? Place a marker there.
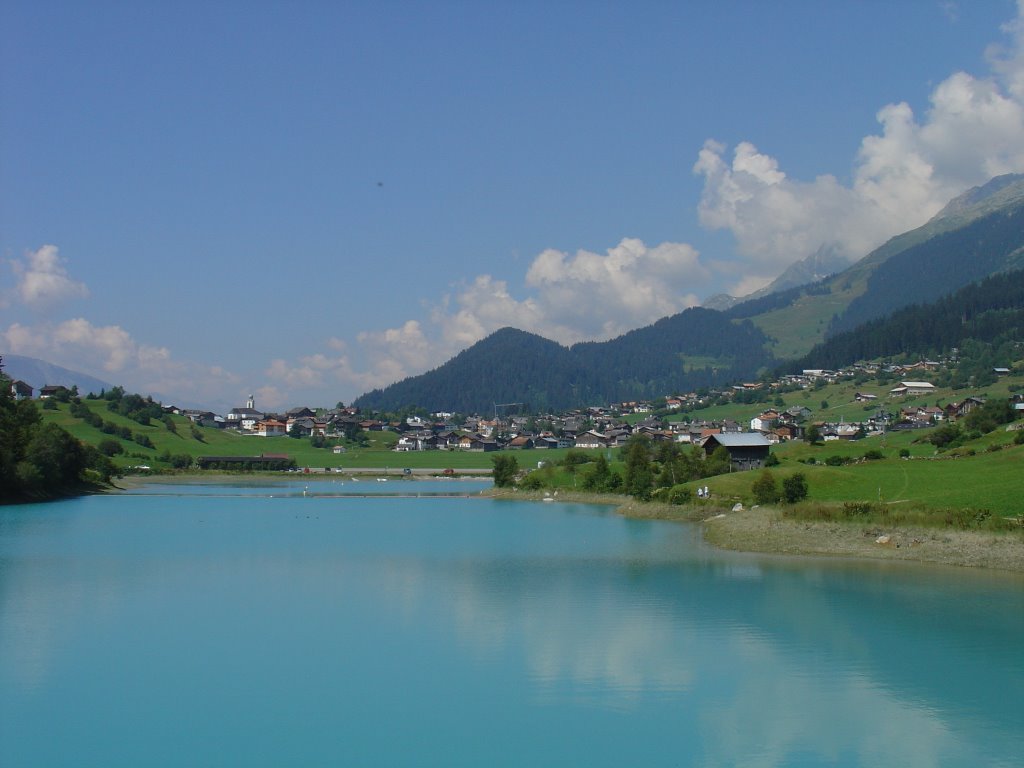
(865, 397)
(300, 413)
(788, 431)
(765, 421)
(954, 411)
(747, 450)
(307, 426)
(270, 428)
(413, 442)
(590, 439)
(522, 442)
(20, 390)
(796, 413)
(51, 390)
(204, 418)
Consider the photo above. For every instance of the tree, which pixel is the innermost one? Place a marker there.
(812, 435)
(599, 478)
(639, 473)
(505, 469)
(766, 488)
(55, 459)
(794, 488)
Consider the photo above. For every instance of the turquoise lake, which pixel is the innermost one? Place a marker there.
(388, 624)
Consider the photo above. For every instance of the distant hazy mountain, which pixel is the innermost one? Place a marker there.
(825, 261)
(978, 234)
(39, 373)
(975, 196)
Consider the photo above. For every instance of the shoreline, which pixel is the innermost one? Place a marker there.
(763, 530)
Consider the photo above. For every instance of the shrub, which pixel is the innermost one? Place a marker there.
(904, 453)
(856, 508)
(874, 455)
(533, 482)
(110, 447)
(765, 488)
(794, 488)
(680, 494)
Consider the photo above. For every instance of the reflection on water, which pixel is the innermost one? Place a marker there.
(168, 630)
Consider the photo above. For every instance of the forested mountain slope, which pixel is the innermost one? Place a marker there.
(698, 347)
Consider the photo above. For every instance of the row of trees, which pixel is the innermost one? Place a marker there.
(647, 467)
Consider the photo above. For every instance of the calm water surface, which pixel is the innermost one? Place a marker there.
(330, 624)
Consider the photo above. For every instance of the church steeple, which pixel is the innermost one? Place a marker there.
(251, 403)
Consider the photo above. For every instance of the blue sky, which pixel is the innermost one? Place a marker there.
(307, 200)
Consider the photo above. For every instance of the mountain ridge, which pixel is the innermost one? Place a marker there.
(703, 347)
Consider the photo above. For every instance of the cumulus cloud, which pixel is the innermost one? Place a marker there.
(111, 352)
(43, 279)
(973, 130)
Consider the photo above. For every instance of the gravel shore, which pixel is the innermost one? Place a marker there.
(765, 530)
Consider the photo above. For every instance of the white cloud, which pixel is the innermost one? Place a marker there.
(972, 131)
(111, 353)
(43, 279)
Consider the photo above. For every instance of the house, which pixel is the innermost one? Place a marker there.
(51, 390)
(590, 439)
(20, 390)
(864, 397)
(412, 442)
(306, 426)
(269, 428)
(797, 413)
(788, 431)
(954, 411)
(765, 421)
(522, 442)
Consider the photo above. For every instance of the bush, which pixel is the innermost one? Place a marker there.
(533, 482)
(1018, 439)
(856, 508)
(904, 453)
(110, 447)
(874, 455)
(680, 494)
(765, 488)
(794, 488)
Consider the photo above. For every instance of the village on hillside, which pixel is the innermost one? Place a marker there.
(606, 427)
